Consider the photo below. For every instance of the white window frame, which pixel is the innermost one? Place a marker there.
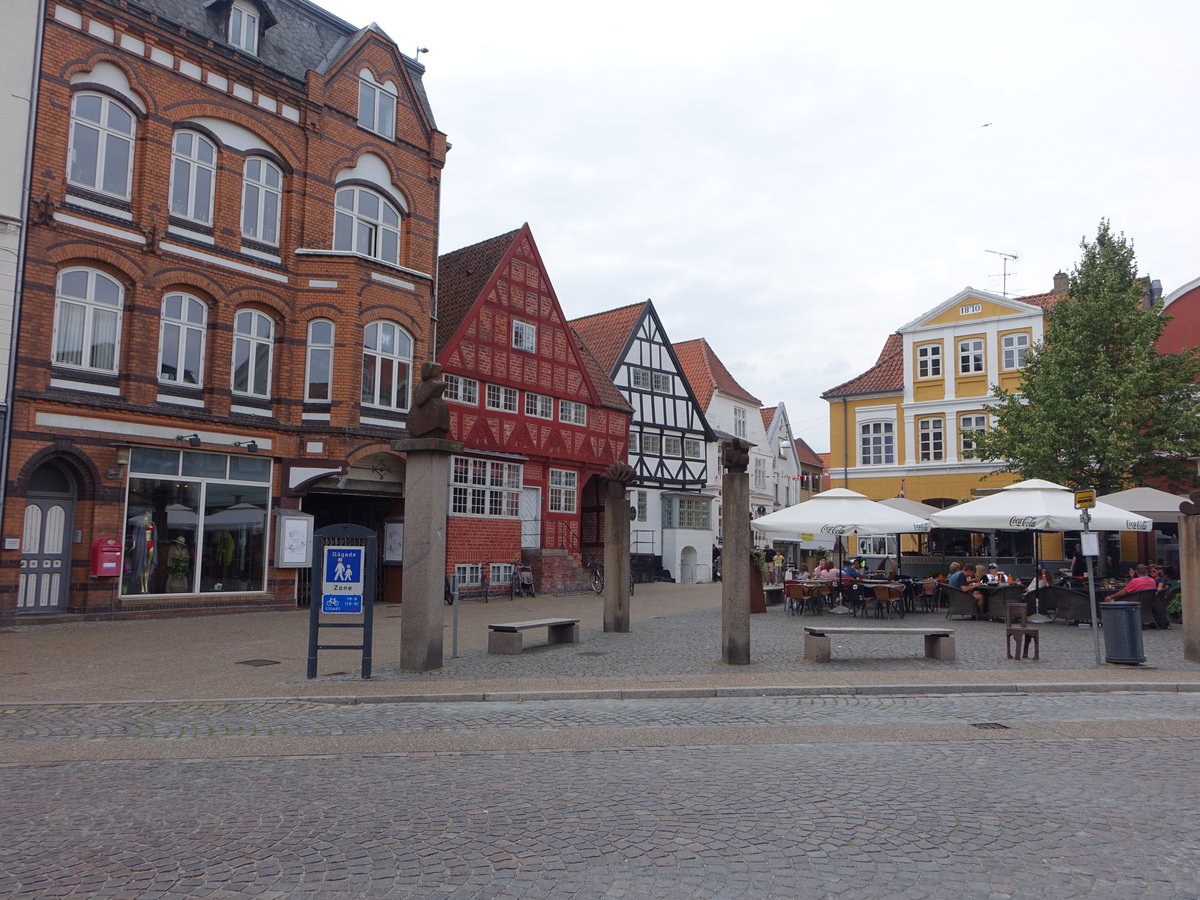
(739, 422)
(651, 444)
(501, 398)
(563, 487)
(572, 412)
(243, 26)
(929, 360)
(673, 446)
(639, 378)
(467, 575)
(969, 425)
(181, 333)
(760, 473)
(484, 487)
(524, 336)
(253, 342)
(693, 448)
(262, 200)
(193, 177)
(387, 363)
(642, 505)
(376, 106)
(877, 443)
(1016, 348)
(109, 138)
(635, 443)
(971, 358)
(363, 224)
(661, 382)
(693, 513)
(539, 406)
(460, 389)
(931, 439)
(82, 317)
(319, 355)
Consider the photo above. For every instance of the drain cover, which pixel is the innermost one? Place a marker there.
(259, 662)
(987, 725)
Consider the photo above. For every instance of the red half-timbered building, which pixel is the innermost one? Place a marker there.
(540, 419)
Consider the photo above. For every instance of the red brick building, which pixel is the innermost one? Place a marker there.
(228, 286)
(540, 419)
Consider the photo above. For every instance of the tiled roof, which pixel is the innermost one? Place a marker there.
(706, 373)
(768, 414)
(886, 375)
(806, 455)
(1045, 301)
(606, 391)
(462, 276)
(607, 333)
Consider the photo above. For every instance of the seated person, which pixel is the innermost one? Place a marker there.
(1139, 580)
(994, 575)
(1040, 580)
(957, 576)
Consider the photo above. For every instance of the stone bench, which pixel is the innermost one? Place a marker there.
(939, 642)
(506, 637)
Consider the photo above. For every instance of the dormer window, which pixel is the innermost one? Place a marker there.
(243, 26)
(376, 105)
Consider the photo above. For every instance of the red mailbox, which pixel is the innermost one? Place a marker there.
(106, 557)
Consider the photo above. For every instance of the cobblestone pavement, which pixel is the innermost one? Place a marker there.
(910, 816)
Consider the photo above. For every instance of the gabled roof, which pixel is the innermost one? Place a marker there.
(768, 415)
(607, 334)
(706, 373)
(462, 276)
(607, 392)
(885, 376)
(806, 455)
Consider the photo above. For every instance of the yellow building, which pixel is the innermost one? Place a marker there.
(901, 427)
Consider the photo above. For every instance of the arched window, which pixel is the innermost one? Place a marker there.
(262, 186)
(376, 105)
(181, 340)
(101, 151)
(387, 362)
(87, 320)
(193, 174)
(319, 369)
(364, 222)
(253, 339)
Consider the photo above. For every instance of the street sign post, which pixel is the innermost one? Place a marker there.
(343, 587)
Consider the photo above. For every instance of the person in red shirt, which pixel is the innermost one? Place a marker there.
(1140, 580)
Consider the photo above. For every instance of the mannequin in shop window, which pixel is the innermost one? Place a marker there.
(142, 534)
(179, 566)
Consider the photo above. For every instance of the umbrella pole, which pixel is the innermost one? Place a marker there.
(841, 609)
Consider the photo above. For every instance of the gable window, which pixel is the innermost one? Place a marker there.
(929, 361)
(739, 422)
(481, 487)
(524, 336)
(193, 174)
(367, 224)
(639, 378)
(387, 361)
(262, 186)
(662, 382)
(563, 485)
(672, 446)
(693, 449)
(572, 413)
(461, 390)
(181, 340)
(87, 320)
(931, 439)
(760, 474)
(651, 444)
(877, 445)
(101, 151)
(501, 398)
(539, 405)
(970, 356)
(253, 338)
(1015, 346)
(376, 105)
(969, 427)
(243, 27)
(319, 364)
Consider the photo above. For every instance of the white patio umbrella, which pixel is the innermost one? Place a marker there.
(1159, 506)
(1035, 505)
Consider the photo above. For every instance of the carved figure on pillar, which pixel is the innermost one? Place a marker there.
(735, 455)
(429, 417)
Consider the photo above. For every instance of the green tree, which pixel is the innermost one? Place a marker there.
(1098, 405)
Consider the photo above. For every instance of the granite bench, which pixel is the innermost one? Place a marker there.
(506, 637)
(939, 642)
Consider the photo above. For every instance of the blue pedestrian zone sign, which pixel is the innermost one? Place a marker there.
(342, 585)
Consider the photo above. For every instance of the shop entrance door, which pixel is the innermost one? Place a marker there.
(45, 542)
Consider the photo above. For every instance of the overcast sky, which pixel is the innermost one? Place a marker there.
(794, 181)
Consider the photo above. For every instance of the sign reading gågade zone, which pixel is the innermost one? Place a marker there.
(342, 584)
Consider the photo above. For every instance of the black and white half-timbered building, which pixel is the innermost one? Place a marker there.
(672, 520)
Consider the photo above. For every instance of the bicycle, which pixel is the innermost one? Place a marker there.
(598, 578)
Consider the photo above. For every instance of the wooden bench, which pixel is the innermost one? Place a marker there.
(939, 642)
(506, 637)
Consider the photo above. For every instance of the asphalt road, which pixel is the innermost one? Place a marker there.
(1091, 794)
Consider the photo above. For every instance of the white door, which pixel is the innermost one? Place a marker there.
(531, 518)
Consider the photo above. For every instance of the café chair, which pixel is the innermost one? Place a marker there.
(889, 599)
(1017, 633)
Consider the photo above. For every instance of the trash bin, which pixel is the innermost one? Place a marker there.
(1122, 632)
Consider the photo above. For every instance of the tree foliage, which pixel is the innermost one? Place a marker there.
(1098, 405)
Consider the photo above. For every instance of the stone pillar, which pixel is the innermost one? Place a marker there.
(616, 548)
(426, 500)
(1189, 574)
(735, 553)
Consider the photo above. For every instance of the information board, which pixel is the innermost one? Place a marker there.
(342, 580)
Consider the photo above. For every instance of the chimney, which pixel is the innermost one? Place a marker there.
(1060, 283)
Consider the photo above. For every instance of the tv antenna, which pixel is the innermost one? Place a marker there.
(1004, 274)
